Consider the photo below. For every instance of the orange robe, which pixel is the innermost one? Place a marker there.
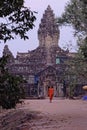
(50, 93)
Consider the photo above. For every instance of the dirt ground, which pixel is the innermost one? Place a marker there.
(61, 114)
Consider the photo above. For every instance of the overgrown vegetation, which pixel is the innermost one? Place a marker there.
(75, 15)
(15, 20)
(11, 89)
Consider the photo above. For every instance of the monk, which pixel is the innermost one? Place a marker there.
(50, 93)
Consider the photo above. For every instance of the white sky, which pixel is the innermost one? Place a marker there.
(66, 33)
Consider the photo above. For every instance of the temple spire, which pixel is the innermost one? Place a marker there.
(48, 8)
(48, 32)
(7, 52)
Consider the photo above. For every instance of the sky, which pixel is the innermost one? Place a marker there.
(66, 33)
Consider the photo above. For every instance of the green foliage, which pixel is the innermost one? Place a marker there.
(9, 6)
(83, 49)
(11, 90)
(76, 72)
(75, 14)
(16, 19)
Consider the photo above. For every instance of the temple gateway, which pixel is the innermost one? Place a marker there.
(44, 66)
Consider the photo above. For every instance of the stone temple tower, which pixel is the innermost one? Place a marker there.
(48, 32)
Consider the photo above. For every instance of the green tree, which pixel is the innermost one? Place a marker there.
(16, 19)
(75, 15)
(76, 72)
(11, 90)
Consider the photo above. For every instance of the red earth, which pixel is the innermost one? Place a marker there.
(61, 114)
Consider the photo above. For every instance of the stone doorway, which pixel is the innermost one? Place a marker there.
(46, 86)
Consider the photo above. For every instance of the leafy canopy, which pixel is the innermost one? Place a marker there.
(75, 14)
(16, 19)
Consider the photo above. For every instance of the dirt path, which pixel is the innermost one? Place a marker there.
(59, 115)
